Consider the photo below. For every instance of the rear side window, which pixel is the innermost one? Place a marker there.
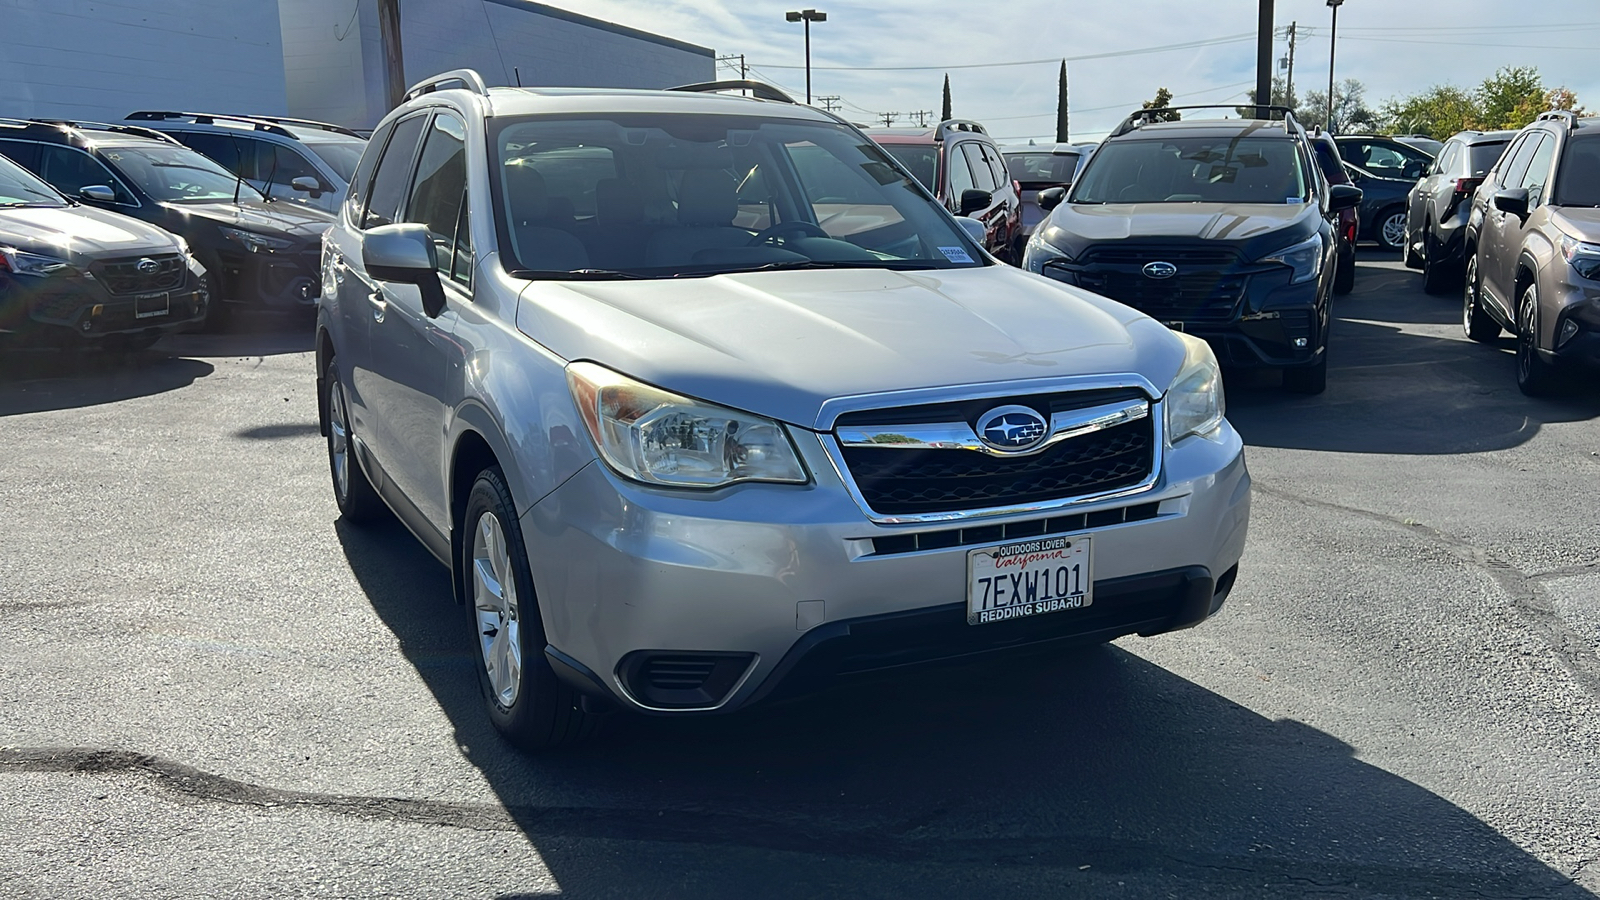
(393, 175)
(220, 147)
(1578, 179)
(70, 171)
(440, 192)
(363, 174)
(960, 173)
(22, 153)
(1447, 160)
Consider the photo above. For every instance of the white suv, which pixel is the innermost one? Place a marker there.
(704, 400)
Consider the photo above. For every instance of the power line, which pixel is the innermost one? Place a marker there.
(1188, 45)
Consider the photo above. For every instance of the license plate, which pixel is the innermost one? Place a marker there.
(147, 306)
(1028, 578)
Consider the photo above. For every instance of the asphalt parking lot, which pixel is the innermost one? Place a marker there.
(212, 687)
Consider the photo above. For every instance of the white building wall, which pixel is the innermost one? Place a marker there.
(330, 47)
(101, 59)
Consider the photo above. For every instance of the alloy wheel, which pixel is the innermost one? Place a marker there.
(1393, 232)
(494, 598)
(338, 442)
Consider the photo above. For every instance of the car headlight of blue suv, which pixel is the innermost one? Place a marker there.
(1038, 251)
(661, 438)
(1304, 259)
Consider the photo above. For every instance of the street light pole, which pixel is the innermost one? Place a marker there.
(807, 16)
(1333, 37)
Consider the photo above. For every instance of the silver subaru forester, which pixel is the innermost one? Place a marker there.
(704, 401)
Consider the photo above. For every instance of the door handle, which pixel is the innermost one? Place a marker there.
(379, 305)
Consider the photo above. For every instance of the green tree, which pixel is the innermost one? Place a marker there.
(1281, 96)
(1440, 111)
(1063, 131)
(1350, 110)
(944, 111)
(1163, 99)
(1510, 98)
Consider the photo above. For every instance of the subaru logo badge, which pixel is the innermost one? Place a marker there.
(1012, 428)
(147, 266)
(1160, 270)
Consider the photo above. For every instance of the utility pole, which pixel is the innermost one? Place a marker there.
(1288, 98)
(394, 66)
(743, 70)
(829, 103)
(888, 118)
(1333, 36)
(921, 116)
(1264, 32)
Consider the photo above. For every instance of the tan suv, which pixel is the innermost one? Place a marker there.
(1533, 250)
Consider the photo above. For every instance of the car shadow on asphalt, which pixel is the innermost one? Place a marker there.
(1089, 771)
(1403, 379)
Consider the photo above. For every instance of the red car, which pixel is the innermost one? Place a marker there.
(963, 169)
(1344, 276)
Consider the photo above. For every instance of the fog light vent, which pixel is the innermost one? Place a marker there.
(675, 680)
(1569, 329)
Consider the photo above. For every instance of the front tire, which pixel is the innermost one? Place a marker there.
(1310, 380)
(527, 702)
(1477, 324)
(1535, 377)
(358, 501)
(1344, 271)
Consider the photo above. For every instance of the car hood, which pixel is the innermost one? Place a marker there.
(1256, 229)
(779, 344)
(1579, 221)
(265, 218)
(81, 233)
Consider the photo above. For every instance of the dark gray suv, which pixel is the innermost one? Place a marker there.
(1438, 206)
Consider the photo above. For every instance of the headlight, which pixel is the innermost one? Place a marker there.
(30, 263)
(1584, 257)
(1195, 403)
(256, 243)
(660, 438)
(1305, 258)
(1039, 251)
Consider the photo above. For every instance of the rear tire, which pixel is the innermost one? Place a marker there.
(1477, 324)
(358, 501)
(1311, 380)
(1436, 277)
(1535, 377)
(527, 702)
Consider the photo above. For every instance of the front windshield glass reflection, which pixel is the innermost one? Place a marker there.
(1194, 170)
(176, 174)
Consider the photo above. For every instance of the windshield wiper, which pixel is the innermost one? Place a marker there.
(574, 274)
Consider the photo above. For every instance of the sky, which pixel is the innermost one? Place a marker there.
(1394, 47)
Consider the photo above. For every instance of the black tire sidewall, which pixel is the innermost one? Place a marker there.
(360, 503)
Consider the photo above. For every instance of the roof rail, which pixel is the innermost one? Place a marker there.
(759, 90)
(1568, 115)
(466, 79)
(134, 130)
(309, 123)
(957, 125)
(1140, 116)
(157, 115)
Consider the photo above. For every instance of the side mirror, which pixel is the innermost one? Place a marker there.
(307, 185)
(99, 193)
(1513, 201)
(1050, 198)
(1343, 196)
(403, 253)
(974, 229)
(973, 200)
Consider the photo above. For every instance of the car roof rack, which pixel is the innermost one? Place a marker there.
(1142, 116)
(309, 123)
(1566, 115)
(757, 89)
(133, 130)
(159, 115)
(964, 125)
(465, 79)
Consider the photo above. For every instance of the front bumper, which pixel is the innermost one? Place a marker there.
(73, 309)
(278, 279)
(1579, 303)
(777, 589)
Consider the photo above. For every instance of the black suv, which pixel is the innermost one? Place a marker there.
(1222, 228)
(1437, 207)
(963, 168)
(254, 251)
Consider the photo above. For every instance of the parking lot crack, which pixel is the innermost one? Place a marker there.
(1526, 591)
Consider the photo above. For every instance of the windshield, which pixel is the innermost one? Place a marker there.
(171, 174)
(20, 188)
(341, 156)
(1578, 179)
(1194, 170)
(658, 196)
(1050, 168)
(921, 160)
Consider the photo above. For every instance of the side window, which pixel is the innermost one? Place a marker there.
(996, 165)
(358, 183)
(439, 194)
(220, 147)
(71, 170)
(960, 177)
(22, 153)
(1448, 157)
(393, 175)
(255, 158)
(291, 165)
(982, 177)
(1538, 174)
(1516, 165)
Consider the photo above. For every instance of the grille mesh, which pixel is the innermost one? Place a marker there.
(122, 276)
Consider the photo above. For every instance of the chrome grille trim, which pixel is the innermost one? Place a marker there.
(960, 436)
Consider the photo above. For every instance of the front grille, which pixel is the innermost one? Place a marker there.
(910, 482)
(122, 276)
(1208, 286)
(1013, 531)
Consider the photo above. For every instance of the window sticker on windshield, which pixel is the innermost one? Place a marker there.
(956, 254)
